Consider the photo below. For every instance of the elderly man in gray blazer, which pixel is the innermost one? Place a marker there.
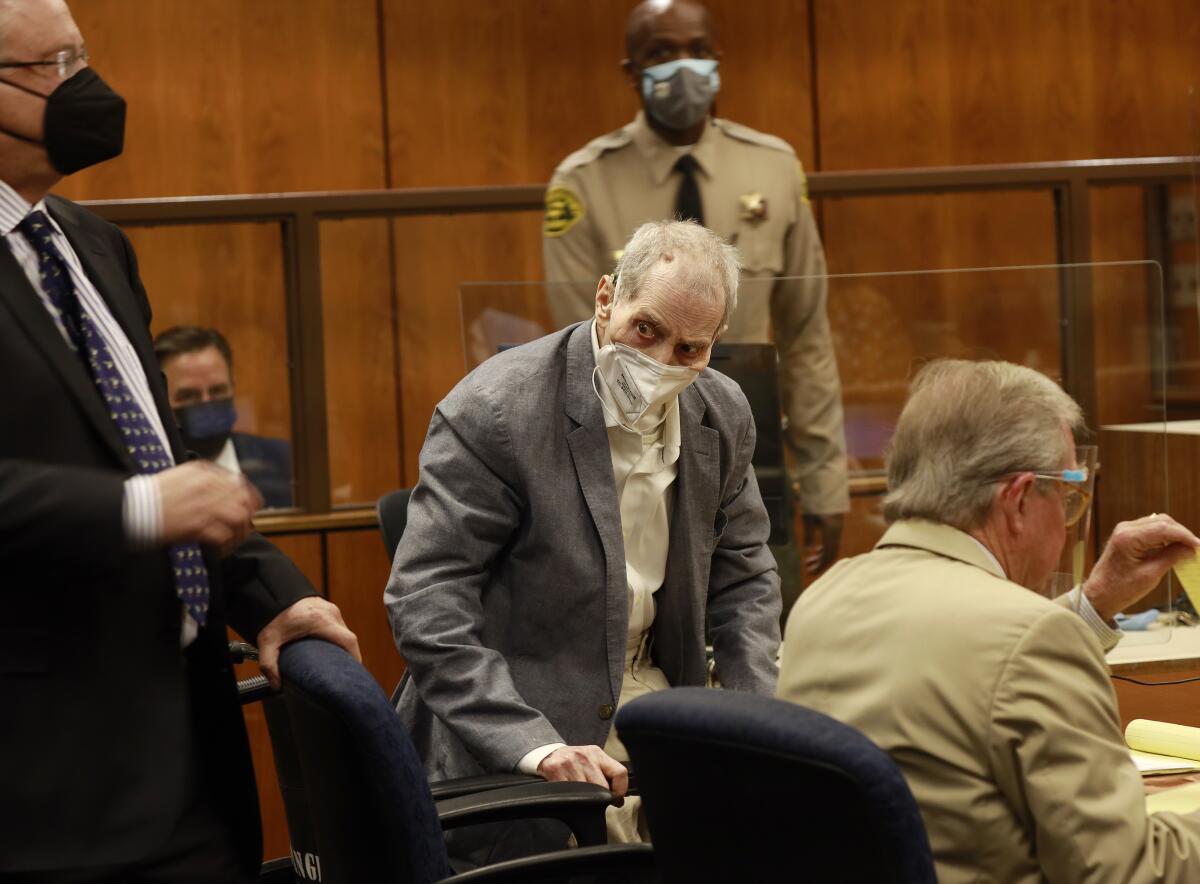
(586, 518)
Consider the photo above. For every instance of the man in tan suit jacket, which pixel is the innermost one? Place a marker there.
(994, 702)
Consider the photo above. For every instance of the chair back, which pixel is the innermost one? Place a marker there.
(743, 788)
(392, 511)
(368, 798)
(755, 368)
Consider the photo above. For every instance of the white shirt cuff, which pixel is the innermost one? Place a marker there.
(530, 760)
(141, 513)
(1107, 635)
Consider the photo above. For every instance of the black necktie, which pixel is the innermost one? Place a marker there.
(687, 201)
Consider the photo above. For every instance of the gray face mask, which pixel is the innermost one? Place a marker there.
(678, 94)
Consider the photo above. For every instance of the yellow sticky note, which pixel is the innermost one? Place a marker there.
(1188, 572)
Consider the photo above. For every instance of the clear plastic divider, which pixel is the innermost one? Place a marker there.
(1098, 329)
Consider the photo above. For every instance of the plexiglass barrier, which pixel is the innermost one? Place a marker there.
(1098, 329)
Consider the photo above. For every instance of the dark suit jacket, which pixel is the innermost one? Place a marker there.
(99, 704)
(267, 463)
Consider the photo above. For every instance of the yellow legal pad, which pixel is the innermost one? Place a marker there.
(1188, 572)
(1160, 747)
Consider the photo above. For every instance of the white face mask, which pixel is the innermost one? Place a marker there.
(637, 383)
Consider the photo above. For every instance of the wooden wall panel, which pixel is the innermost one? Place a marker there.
(512, 88)
(358, 572)
(434, 255)
(230, 97)
(361, 361)
(229, 277)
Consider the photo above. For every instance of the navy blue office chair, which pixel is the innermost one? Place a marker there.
(743, 788)
(372, 814)
(392, 511)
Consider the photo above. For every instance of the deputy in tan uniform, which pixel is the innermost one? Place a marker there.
(676, 160)
(994, 702)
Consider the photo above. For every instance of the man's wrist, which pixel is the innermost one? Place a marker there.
(532, 760)
(1105, 629)
(141, 513)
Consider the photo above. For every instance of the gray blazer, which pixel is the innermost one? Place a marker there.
(508, 597)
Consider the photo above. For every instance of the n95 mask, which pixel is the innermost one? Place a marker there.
(636, 384)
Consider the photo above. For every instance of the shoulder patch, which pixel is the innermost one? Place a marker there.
(563, 211)
(803, 182)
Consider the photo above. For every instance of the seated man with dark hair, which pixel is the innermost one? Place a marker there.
(198, 363)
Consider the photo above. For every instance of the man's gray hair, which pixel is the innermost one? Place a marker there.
(966, 423)
(701, 261)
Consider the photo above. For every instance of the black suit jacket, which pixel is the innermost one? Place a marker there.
(98, 704)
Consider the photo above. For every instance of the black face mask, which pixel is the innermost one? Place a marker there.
(84, 122)
(206, 426)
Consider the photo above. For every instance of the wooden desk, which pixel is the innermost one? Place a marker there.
(1141, 656)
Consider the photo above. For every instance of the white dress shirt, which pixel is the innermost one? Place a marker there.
(644, 468)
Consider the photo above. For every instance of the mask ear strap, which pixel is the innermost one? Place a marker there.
(27, 91)
(10, 84)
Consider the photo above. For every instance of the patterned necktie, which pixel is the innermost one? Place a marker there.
(687, 200)
(191, 577)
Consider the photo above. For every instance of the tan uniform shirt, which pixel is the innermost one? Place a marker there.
(754, 195)
(996, 705)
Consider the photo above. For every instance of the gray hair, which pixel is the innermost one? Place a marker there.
(702, 261)
(966, 423)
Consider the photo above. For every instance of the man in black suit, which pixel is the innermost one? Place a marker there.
(123, 756)
(198, 363)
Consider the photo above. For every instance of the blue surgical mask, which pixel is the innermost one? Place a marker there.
(678, 94)
(206, 426)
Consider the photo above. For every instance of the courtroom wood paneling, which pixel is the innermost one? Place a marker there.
(361, 360)
(1175, 703)
(231, 97)
(434, 256)
(939, 82)
(229, 277)
(358, 572)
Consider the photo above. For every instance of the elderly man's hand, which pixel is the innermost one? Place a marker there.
(587, 764)
(822, 538)
(312, 616)
(1137, 556)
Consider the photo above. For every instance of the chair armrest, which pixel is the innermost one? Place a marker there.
(580, 806)
(467, 785)
(628, 863)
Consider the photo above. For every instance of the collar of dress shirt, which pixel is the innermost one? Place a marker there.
(991, 558)
(669, 428)
(661, 156)
(228, 458)
(14, 208)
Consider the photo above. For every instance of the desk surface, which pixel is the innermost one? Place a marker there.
(1164, 649)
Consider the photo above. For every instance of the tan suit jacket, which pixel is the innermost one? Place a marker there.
(995, 703)
(600, 194)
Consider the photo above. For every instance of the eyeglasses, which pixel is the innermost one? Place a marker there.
(1076, 499)
(65, 61)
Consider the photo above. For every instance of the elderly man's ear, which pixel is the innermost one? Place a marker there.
(1014, 500)
(605, 293)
